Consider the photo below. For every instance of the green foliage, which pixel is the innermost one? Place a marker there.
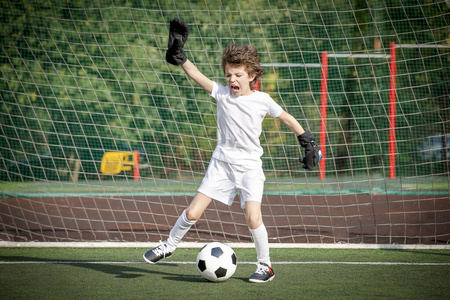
(90, 76)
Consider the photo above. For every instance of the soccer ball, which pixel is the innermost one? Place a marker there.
(216, 262)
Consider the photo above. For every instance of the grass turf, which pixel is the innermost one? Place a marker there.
(73, 275)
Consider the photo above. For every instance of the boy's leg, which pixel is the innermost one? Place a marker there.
(185, 221)
(178, 231)
(188, 218)
(264, 271)
(258, 230)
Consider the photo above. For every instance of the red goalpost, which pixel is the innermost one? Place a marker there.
(324, 106)
(324, 100)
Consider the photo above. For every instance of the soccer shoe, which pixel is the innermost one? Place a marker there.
(263, 273)
(155, 254)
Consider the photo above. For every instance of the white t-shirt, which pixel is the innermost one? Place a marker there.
(240, 124)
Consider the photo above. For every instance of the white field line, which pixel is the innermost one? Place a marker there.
(242, 263)
(7, 244)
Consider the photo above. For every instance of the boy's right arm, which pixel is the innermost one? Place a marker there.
(175, 55)
(191, 70)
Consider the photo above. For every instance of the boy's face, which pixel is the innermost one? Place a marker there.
(238, 80)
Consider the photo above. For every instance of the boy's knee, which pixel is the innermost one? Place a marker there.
(253, 215)
(192, 214)
(254, 220)
(198, 205)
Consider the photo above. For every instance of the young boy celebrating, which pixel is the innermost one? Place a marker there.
(236, 161)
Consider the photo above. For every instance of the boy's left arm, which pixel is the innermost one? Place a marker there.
(312, 152)
(292, 123)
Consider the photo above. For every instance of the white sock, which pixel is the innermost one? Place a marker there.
(178, 231)
(261, 240)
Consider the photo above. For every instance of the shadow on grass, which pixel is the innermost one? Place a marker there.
(414, 251)
(117, 269)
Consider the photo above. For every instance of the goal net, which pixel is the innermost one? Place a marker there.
(102, 140)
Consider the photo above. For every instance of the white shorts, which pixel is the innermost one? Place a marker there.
(222, 181)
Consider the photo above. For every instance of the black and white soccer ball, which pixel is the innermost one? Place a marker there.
(216, 262)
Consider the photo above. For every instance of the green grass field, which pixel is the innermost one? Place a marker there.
(119, 273)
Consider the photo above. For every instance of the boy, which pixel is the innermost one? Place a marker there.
(236, 162)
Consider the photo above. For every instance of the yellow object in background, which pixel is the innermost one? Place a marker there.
(116, 162)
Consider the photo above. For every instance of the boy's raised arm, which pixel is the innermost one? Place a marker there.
(191, 70)
(175, 55)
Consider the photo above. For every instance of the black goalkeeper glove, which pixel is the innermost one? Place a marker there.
(312, 152)
(178, 34)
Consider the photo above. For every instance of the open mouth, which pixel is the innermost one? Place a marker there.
(235, 88)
